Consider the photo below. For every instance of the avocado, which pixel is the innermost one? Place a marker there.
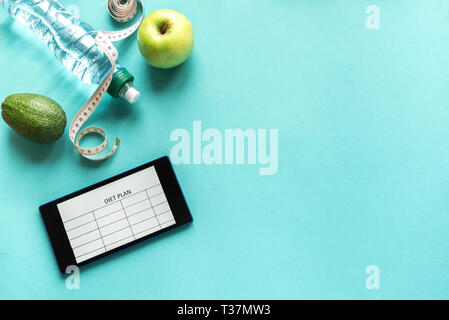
(34, 117)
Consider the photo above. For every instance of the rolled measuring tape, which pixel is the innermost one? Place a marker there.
(122, 11)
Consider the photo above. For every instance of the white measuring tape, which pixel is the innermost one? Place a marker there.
(122, 11)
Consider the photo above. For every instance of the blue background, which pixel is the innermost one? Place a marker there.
(363, 173)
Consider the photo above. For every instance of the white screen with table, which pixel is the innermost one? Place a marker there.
(115, 214)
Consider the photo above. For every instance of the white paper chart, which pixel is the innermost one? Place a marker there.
(115, 214)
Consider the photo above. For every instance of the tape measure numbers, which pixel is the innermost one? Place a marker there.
(122, 11)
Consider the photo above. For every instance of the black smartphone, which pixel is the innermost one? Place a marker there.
(115, 214)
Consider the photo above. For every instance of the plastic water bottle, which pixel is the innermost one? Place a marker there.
(73, 43)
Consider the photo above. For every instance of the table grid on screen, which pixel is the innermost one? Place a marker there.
(118, 223)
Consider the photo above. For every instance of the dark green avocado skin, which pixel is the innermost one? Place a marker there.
(34, 117)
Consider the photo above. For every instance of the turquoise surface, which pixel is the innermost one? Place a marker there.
(363, 176)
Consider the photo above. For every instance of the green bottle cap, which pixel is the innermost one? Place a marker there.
(119, 79)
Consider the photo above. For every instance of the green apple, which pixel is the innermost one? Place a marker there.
(165, 38)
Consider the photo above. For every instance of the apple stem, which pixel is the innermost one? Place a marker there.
(165, 27)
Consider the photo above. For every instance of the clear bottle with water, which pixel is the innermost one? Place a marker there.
(73, 43)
